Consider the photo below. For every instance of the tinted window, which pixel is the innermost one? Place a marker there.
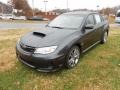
(90, 20)
(67, 21)
(97, 18)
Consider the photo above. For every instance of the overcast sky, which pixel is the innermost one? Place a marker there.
(73, 4)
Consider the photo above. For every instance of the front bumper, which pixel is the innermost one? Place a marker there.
(44, 63)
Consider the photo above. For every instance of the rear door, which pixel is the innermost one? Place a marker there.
(99, 27)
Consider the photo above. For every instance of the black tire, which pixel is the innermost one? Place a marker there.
(72, 59)
(104, 37)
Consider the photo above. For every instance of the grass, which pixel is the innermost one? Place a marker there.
(98, 69)
(111, 20)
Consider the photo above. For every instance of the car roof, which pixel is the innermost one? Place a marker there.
(80, 13)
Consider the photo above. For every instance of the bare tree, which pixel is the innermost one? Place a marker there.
(23, 6)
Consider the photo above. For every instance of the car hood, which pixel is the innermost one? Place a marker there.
(46, 37)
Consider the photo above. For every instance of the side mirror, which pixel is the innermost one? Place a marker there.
(89, 26)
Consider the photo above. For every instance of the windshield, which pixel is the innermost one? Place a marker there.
(67, 21)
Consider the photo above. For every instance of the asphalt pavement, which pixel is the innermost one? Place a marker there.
(24, 25)
(14, 25)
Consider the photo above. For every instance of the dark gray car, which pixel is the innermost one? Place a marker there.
(62, 41)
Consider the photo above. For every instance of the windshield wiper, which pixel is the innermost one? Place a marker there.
(57, 27)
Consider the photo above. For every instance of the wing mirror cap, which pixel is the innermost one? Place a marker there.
(89, 26)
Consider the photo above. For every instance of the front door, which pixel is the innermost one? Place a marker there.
(89, 36)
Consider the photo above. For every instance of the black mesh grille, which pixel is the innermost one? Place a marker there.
(27, 48)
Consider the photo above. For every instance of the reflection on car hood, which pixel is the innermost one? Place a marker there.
(46, 37)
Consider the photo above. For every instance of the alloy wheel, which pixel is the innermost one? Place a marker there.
(73, 57)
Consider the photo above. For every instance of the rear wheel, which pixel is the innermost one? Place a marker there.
(104, 37)
(73, 57)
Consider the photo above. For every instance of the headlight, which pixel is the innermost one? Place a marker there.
(45, 50)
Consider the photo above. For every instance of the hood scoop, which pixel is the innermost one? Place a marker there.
(39, 34)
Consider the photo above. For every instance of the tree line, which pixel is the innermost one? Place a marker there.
(23, 8)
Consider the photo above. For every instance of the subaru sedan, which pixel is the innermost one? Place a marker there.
(62, 41)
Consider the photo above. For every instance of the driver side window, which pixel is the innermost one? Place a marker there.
(90, 20)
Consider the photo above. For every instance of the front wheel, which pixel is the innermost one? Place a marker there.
(104, 37)
(73, 57)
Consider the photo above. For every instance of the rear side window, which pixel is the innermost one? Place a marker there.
(90, 20)
(97, 18)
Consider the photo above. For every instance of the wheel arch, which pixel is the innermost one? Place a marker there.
(79, 45)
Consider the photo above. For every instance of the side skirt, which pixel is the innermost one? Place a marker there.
(90, 47)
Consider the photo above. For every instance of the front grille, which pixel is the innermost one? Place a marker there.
(27, 48)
